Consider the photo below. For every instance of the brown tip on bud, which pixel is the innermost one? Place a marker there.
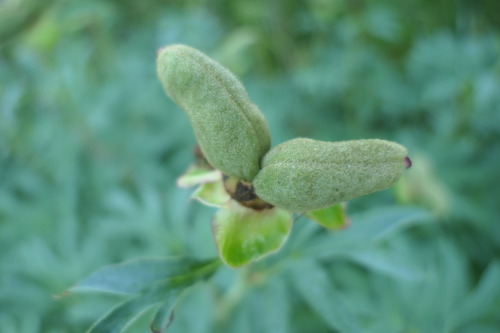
(408, 162)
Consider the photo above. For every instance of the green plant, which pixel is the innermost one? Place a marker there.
(264, 187)
(257, 188)
(327, 70)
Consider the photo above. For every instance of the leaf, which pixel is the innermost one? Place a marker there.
(165, 314)
(385, 263)
(198, 175)
(118, 319)
(332, 217)
(165, 290)
(123, 315)
(242, 320)
(312, 284)
(271, 304)
(198, 303)
(370, 227)
(244, 235)
(379, 223)
(211, 194)
(481, 298)
(131, 277)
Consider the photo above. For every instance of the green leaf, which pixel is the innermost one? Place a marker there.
(271, 304)
(370, 227)
(118, 319)
(332, 217)
(165, 313)
(166, 290)
(481, 298)
(198, 175)
(211, 194)
(379, 223)
(244, 235)
(312, 284)
(123, 315)
(133, 276)
(386, 263)
(200, 302)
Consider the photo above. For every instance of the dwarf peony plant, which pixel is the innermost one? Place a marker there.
(258, 188)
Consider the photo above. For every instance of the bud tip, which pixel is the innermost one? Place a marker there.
(408, 162)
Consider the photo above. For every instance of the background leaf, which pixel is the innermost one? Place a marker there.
(270, 303)
(485, 296)
(90, 150)
(313, 285)
(367, 228)
(120, 317)
(164, 316)
(165, 290)
(134, 276)
(386, 263)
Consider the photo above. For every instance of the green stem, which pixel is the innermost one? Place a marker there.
(232, 298)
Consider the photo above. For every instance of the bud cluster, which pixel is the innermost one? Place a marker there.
(298, 175)
(263, 185)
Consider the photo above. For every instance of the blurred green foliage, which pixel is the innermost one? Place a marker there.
(90, 148)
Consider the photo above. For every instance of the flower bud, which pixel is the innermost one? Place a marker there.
(303, 174)
(231, 131)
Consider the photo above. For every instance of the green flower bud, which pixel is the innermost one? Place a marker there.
(303, 174)
(232, 132)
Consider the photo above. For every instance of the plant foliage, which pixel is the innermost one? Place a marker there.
(90, 150)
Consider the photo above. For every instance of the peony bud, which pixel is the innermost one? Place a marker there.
(303, 174)
(231, 131)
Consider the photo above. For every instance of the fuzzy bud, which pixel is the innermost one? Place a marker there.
(302, 174)
(231, 131)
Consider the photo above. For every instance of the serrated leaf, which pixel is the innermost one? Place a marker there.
(332, 217)
(244, 235)
(211, 194)
(131, 277)
(312, 284)
(198, 175)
